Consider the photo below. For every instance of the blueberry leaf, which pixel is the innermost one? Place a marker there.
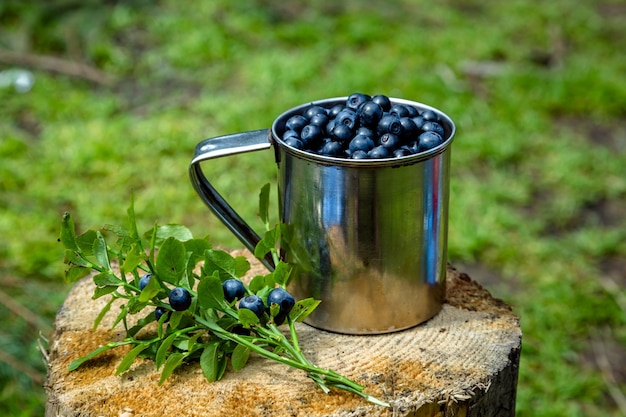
(128, 360)
(150, 291)
(163, 350)
(173, 362)
(210, 292)
(281, 273)
(176, 231)
(85, 242)
(100, 251)
(103, 312)
(240, 357)
(68, 233)
(134, 257)
(264, 204)
(247, 318)
(106, 279)
(171, 261)
(225, 264)
(303, 308)
(208, 361)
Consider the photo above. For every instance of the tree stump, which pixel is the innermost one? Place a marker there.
(462, 362)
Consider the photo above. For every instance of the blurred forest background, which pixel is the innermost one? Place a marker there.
(104, 99)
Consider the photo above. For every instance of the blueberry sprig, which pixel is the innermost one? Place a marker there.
(210, 316)
(364, 127)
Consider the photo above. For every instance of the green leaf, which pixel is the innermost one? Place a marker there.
(240, 357)
(74, 273)
(164, 348)
(73, 257)
(130, 358)
(264, 202)
(85, 242)
(134, 257)
(267, 243)
(132, 222)
(177, 231)
(171, 261)
(210, 292)
(100, 251)
(247, 317)
(68, 233)
(78, 362)
(151, 290)
(173, 362)
(175, 318)
(257, 283)
(209, 362)
(303, 308)
(227, 265)
(103, 312)
(102, 291)
(281, 273)
(106, 279)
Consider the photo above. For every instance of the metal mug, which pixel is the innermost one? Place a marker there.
(367, 237)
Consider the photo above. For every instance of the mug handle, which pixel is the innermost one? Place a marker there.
(211, 148)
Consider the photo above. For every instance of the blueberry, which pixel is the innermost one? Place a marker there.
(429, 140)
(429, 126)
(378, 152)
(342, 132)
(254, 304)
(389, 141)
(330, 126)
(233, 289)
(296, 123)
(284, 300)
(430, 116)
(347, 117)
(356, 100)
(365, 131)
(400, 152)
(413, 146)
(413, 112)
(361, 143)
(311, 136)
(370, 114)
(143, 281)
(294, 143)
(399, 110)
(383, 101)
(313, 110)
(320, 119)
(159, 311)
(389, 124)
(409, 129)
(331, 148)
(359, 154)
(290, 134)
(334, 111)
(180, 299)
(419, 121)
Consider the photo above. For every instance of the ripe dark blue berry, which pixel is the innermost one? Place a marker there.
(296, 123)
(334, 111)
(233, 289)
(378, 152)
(383, 101)
(370, 114)
(160, 311)
(347, 117)
(429, 140)
(429, 126)
(389, 141)
(409, 129)
(254, 304)
(358, 154)
(355, 100)
(313, 110)
(399, 110)
(389, 123)
(180, 299)
(430, 115)
(342, 132)
(332, 148)
(320, 119)
(400, 152)
(285, 302)
(144, 280)
(311, 136)
(361, 143)
(294, 143)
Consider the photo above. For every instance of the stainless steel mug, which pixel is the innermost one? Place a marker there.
(367, 237)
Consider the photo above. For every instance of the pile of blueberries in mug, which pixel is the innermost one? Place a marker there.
(365, 127)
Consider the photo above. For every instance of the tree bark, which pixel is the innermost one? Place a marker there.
(462, 362)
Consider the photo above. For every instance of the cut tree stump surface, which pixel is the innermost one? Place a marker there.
(462, 362)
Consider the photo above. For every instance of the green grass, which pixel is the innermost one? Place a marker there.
(538, 184)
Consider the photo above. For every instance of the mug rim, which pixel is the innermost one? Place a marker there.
(279, 125)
